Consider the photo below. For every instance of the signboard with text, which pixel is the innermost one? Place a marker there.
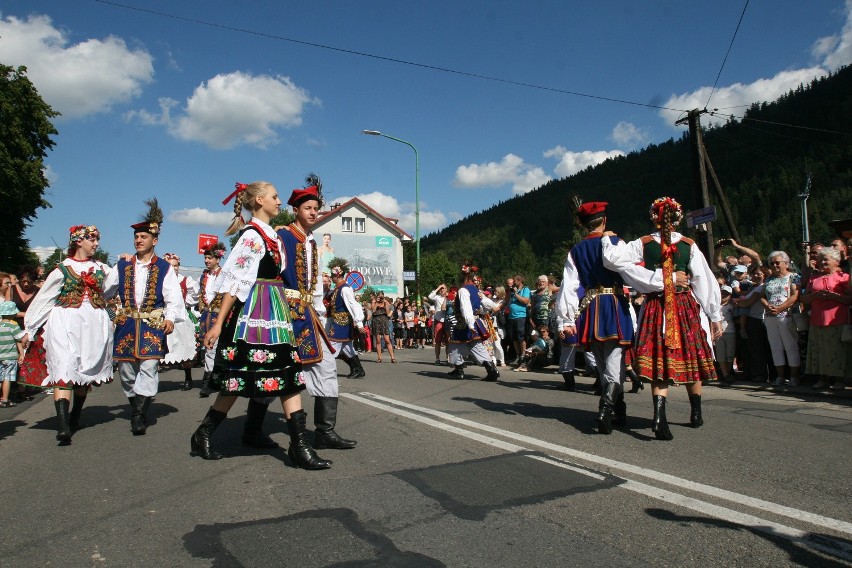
(374, 257)
(700, 216)
(206, 241)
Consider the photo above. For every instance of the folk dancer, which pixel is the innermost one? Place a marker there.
(150, 304)
(209, 304)
(600, 319)
(345, 316)
(253, 334)
(78, 336)
(181, 342)
(681, 315)
(305, 295)
(470, 332)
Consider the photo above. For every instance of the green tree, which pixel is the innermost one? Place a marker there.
(25, 131)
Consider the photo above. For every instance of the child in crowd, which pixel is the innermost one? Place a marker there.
(740, 286)
(725, 346)
(11, 349)
(540, 352)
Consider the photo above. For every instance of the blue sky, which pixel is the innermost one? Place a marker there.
(181, 104)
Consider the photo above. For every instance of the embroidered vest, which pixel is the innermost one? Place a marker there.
(76, 287)
(340, 327)
(207, 279)
(138, 330)
(653, 254)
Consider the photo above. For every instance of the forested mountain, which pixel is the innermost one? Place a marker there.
(762, 162)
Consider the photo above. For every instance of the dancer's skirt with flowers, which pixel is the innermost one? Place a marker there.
(654, 361)
(255, 356)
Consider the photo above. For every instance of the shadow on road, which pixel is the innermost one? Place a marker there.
(9, 427)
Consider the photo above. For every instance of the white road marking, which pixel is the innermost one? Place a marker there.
(743, 519)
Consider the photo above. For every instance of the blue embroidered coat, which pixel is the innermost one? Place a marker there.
(136, 338)
(341, 327)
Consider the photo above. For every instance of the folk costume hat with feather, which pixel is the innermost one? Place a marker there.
(152, 221)
(312, 190)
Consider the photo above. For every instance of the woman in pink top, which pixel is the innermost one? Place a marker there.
(829, 296)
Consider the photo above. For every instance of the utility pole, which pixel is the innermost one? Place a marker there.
(699, 174)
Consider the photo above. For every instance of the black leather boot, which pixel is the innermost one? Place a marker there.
(620, 409)
(201, 442)
(457, 372)
(63, 431)
(253, 434)
(636, 382)
(138, 417)
(187, 380)
(492, 373)
(357, 370)
(695, 418)
(570, 383)
(76, 409)
(300, 452)
(660, 426)
(606, 408)
(598, 384)
(325, 419)
(206, 385)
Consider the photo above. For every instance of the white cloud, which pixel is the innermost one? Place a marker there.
(233, 109)
(75, 79)
(201, 216)
(836, 50)
(572, 162)
(628, 135)
(50, 174)
(510, 170)
(43, 251)
(389, 206)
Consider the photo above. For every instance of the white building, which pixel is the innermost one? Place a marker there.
(371, 242)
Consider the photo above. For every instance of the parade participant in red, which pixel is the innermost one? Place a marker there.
(209, 304)
(181, 342)
(78, 337)
(678, 322)
(253, 333)
(150, 303)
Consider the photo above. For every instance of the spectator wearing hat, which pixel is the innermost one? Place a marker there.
(601, 318)
(150, 304)
(11, 349)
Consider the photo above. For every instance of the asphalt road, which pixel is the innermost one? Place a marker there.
(446, 473)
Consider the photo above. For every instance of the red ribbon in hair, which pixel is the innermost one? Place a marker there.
(240, 187)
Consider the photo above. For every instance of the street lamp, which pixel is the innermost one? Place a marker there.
(416, 201)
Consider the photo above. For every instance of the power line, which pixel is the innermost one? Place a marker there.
(731, 45)
(385, 58)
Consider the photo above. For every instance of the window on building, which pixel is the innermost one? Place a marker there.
(346, 224)
(360, 225)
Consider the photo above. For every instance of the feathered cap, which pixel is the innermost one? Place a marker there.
(216, 250)
(152, 220)
(312, 190)
(589, 211)
(79, 232)
(338, 267)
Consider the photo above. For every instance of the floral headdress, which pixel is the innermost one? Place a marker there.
(666, 213)
(338, 267)
(216, 250)
(79, 232)
(468, 267)
(171, 256)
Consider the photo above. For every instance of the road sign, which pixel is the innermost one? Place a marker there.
(409, 275)
(700, 216)
(355, 280)
(206, 241)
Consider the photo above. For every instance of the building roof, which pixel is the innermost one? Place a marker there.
(389, 223)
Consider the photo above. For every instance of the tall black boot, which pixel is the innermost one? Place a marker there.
(457, 372)
(492, 373)
(76, 409)
(63, 432)
(206, 385)
(570, 383)
(606, 408)
(357, 370)
(138, 417)
(253, 434)
(187, 379)
(695, 418)
(325, 419)
(636, 382)
(201, 443)
(620, 409)
(660, 425)
(598, 384)
(300, 452)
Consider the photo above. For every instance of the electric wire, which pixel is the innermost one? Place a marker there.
(727, 53)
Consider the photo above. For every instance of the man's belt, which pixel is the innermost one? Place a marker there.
(591, 293)
(136, 314)
(307, 297)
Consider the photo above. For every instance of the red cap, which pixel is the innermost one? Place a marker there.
(591, 210)
(301, 195)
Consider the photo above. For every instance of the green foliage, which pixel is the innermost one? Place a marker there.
(58, 254)
(25, 131)
(762, 164)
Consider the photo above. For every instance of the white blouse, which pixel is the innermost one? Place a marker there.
(239, 273)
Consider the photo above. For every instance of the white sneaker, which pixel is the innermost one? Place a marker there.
(777, 382)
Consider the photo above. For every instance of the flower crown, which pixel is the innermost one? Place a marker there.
(79, 232)
(666, 210)
(338, 271)
(171, 256)
(468, 267)
(216, 250)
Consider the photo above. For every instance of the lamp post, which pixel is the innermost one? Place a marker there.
(416, 202)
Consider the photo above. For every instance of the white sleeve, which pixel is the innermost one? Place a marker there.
(111, 282)
(44, 301)
(466, 308)
(192, 290)
(625, 258)
(239, 272)
(487, 303)
(353, 306)
(705, 288)
(175, 311)
(567, 302)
